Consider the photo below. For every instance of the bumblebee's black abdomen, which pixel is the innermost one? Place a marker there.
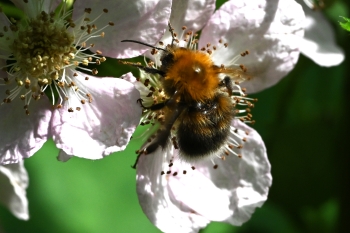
(204, 127)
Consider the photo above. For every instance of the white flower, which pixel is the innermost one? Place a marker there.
(262, 42)
(13, 183)
(44, 92)
(319, 41)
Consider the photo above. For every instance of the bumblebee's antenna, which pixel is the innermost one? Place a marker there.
(139, 42)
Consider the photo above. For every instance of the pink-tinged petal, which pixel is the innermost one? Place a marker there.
(247, 178)
(270, 30)
(192, 14)
(155, 197)
(101, 127)
(139, 20)
(13, 183)
(33, 8)
(319, 40)
(229, 193)
(22, 135)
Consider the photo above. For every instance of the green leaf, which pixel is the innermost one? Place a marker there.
(345, 25)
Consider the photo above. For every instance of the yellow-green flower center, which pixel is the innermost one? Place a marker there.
(41, 54)
(43, 48)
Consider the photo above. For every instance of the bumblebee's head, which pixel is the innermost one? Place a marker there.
(167, 61)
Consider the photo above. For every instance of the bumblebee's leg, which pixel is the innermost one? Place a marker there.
(161, 140)
(151, 70)
(154, 107)
(137, 160)
(162, 136)
(175, 108)
(145, 68)
(227, 81)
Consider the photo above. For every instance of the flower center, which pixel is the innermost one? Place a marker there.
(43, 48)
(43, 53)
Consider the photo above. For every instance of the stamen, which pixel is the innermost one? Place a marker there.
(45, 63)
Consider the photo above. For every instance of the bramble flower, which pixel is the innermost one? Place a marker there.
(319, 41)
(258, 38)
(44, 92)
(13, 183)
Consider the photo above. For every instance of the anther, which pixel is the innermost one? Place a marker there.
(146, 82)
(94, 71)
(243, 68)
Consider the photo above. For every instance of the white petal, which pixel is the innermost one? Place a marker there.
(229, 193)
(319, 41)
(270, 30)
(156, 201)
(248, 178)
(133, 20)
(13, 183)
(192, 14)
(101, 127)
(33, 8)
(22, 135)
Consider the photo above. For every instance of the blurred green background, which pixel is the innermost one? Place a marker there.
(303, 121)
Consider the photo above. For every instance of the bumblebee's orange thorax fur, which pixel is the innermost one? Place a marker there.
(194, 74)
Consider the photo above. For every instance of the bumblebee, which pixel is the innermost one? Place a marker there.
(199, 101)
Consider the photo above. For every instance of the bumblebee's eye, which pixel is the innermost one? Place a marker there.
(167, 61)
